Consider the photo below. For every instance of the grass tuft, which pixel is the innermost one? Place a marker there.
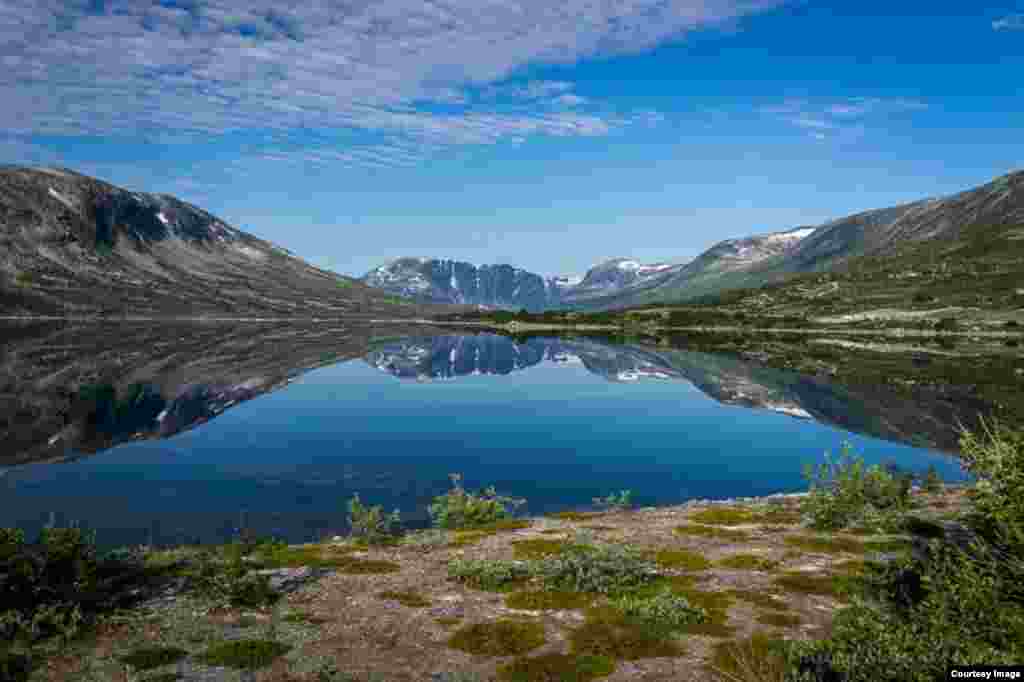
(712, 532)
(826, 544)
(747, 562)
(245, 654)
(537, 548)
(504, 637)
(557, 668)
(682, 559)
(724, 516)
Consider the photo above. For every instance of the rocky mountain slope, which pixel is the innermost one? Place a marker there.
(431, 280)
(75, 245)
(69, 390)
(986, 217)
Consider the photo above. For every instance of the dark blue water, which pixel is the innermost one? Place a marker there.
(558, 430)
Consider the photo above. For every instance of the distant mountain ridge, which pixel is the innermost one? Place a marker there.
(74, 245)
(433, 280)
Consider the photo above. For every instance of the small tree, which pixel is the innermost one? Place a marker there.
(371, 523)
(461, 509)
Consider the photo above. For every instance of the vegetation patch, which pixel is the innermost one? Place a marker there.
(681, 559)
(712, 532)
(811, 583)
(504, 637)
(554, 531)
(537, 548)
(557, 668)
(413, 600)
(582, 567)
(549, 600)
(448, 621)
(501, 525)
(147, 658)
(315, 556)
(888, 545)
(724, 516)
(664, 609)
(608, 633)
(826, 544)
(467, 538)
(459, 508)
(371, 524)
(575, 515)
(304, 618)
(758, 659)
(489, 574)
(747, 562)
(779, 619)
(246, 654)
(598, 527)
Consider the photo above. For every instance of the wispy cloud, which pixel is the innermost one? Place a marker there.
(165, 68)
(1011, 22)
(846, 118)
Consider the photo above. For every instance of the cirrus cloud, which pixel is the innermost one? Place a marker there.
(434, 71)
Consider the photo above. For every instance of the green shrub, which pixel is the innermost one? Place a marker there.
(663, 609)
(488, 574)
(461, 509)
(724, 516)
(582, 567)
(23, 279)
(371, 523)
(996, 459)
(846, 491)
(970, 613)
(947, 324)
(53, 586)
(620, 502)
(229, 583)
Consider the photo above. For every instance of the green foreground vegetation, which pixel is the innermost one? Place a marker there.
(952, 595)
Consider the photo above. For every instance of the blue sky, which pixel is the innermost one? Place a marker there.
(546, 135)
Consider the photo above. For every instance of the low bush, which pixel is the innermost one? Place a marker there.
(584, 567)
(459, 508)
(995, 457)
(932, 482)
(59, 583)
(371, 524)
(620, 502)
(664, 609)
(489, 574)
(845, 492)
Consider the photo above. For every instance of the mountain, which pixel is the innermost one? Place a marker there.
(431, 280)
(989, 218)
(617, 276)
(75, 245)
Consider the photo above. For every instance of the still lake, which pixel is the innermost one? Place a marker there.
(165, 436)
